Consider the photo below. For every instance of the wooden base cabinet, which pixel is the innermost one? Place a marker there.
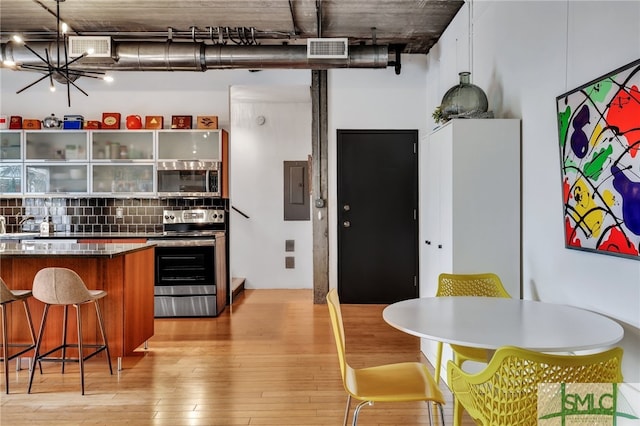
(470, 204)
(127, 308)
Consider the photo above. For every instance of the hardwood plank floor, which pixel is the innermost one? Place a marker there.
(268, 360)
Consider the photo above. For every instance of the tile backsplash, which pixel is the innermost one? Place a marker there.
(95, 215)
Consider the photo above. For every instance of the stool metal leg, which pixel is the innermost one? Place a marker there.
(104, 337)
(5, 348)
(80, 348)
(22, 347)
(64, 335)
(36, 352)
(32, 332)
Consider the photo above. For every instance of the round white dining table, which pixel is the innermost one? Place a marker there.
(492, 322)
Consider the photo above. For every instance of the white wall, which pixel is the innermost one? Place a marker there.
(524, 54)
(258, 150)
(142, 93)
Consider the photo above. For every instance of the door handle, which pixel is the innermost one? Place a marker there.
(346, 224)
(346, 207)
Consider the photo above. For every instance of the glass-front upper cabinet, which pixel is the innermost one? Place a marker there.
(56, 145)
(114, 179)
(10, 145)
(122, 145)
(56, 178)
(189, 145)
(10, 178)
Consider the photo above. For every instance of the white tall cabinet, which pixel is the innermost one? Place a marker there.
(469, 205)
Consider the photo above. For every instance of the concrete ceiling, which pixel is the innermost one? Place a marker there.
(412, 26)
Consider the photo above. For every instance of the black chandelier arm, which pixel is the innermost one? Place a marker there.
(46, 61)
(34, 83)
(99, 76)
(61, 72)
(31, 67)
(51, 69)
(68, 81)
(72, 72)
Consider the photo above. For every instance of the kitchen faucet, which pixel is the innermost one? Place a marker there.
(26, 218)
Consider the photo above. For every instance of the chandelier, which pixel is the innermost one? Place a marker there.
(55, 68)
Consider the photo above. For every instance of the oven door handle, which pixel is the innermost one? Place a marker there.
(179, 257)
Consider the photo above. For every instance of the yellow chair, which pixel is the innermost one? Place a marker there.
(487, 285)
(505, 393)
(401, 382)
(8, 296)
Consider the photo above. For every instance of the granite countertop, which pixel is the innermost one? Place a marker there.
(60, 249)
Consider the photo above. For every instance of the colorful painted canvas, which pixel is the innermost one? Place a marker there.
(599, 134)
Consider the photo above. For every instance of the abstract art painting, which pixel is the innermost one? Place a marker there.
(599, 135)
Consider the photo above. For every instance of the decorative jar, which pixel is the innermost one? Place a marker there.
(464, 99)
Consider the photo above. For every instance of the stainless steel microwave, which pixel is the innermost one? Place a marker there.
(189, 177)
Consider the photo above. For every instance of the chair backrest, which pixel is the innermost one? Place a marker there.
(506, 391)
(488, 285)
(59, 286)
(5, 293)
(333, 302)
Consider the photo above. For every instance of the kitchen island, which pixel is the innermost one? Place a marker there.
(124, 271)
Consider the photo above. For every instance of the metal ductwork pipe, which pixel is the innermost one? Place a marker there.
(188, 56)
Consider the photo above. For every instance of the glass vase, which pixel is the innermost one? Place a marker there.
(464, 99)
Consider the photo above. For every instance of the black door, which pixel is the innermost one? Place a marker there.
(377, 215)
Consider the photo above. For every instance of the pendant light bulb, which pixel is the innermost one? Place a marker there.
(108, 78)
(52, 88)
(64, 28)
(17, 38)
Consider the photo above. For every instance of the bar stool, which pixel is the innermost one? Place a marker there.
(64, 287)
(8, 296)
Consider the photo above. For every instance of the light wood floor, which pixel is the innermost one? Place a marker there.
(269, 360)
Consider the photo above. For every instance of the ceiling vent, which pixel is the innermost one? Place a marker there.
(99, 47)
(327, 48)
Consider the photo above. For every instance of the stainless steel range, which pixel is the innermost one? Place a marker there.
(190, 223)
(190, 264)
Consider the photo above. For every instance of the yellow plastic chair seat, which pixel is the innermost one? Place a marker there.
(505, 393)
(407, 381)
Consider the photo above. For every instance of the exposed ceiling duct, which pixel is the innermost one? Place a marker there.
(194, 56)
